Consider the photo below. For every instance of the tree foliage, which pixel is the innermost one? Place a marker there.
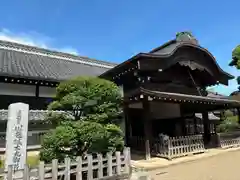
(236, 61)
(236, 57)
(89, 122)
(229, 122)
(88, 98)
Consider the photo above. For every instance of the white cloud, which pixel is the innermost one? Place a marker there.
(69, 50)
(34, 39)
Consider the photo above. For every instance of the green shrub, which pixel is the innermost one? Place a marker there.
(229, 124)
(93, 106)
(81, 137)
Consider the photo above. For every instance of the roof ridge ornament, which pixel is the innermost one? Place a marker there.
(186, 36)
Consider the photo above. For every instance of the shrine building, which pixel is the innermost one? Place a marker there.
(164, 90)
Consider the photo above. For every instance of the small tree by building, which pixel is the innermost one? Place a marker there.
(236, 61)
(229, 122)
(90, 122)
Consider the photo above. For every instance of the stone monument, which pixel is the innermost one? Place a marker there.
(16, 136)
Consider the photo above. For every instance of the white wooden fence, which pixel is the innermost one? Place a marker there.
(229, 140)
(173, 147)
(229, 143)
(179, 146)
(92, 167)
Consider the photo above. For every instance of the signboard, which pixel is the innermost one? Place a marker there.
(16, 137)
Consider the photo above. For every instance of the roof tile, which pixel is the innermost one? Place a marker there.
(36, 63)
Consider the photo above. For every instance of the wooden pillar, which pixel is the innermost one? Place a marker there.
(147, 127)
(183, 123)
(215, 128)
(206, 123)
(127, 124)
(37, 91)
(195, 125)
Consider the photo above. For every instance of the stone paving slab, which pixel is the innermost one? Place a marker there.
(223, 166)
(156, 163)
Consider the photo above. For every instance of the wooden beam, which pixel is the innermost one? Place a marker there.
(127, 124)
(37, 91)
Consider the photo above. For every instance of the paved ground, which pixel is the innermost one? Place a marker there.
(225, 166)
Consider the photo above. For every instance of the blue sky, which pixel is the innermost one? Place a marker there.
(116, 30)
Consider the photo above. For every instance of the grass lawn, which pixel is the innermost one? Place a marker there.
(33, 160)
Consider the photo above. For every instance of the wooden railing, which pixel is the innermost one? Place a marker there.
(109, 166)
(179, 146)
(173, 147)
(229, 139)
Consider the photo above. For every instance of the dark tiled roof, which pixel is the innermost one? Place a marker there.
(235, 93)
(167, 50)
(171, 47)
(18, 60)
(182, 97)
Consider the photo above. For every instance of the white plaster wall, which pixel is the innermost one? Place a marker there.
(164, 110)
(17, 89)
(26, 90)
(47, 91)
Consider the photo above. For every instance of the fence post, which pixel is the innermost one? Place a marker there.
(67, 162)
(169, 148)
(127, 159)
(26, 172)
(90, 167)
(54, 169)
(100, 166)
(41, 171)
(79, 168)
(10, 173)
(118, 162)
(109, 162)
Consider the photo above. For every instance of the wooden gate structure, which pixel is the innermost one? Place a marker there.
(164, 88)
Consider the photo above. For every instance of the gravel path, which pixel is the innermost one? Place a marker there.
(224, 166)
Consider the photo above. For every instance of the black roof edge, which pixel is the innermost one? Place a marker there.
(52, 80)
(130, 60)
(122, 64)
(234, 93)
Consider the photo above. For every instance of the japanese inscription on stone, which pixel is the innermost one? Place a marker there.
(16, 138)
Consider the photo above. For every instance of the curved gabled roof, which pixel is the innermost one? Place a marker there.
(168, 49)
